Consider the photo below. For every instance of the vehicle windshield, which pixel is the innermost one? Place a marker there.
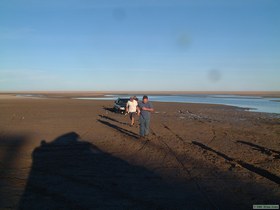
(123, 101)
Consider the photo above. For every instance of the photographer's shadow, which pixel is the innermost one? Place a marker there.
(69, 173)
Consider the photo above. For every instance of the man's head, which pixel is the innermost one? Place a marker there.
(145, 99)
(131, 98)
(135, 98)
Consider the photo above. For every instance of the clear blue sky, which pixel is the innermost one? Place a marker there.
(139, 45)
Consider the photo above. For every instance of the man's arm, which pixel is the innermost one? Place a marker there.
(126, 108)
(138, 110)
(148, 109)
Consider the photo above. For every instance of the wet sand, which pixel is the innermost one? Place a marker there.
(58, 153)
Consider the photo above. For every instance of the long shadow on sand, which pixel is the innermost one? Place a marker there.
(10, 148)
(119, 129)
(69, 173)
(112, 119)
(109, 109)
(264, 150)
(262, 172)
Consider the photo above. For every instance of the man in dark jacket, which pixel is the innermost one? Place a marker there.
(144, 111)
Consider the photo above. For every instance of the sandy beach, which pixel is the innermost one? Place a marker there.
(61, 153)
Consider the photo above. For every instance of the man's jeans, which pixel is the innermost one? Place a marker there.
(144, 126)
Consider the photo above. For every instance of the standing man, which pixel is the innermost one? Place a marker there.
(144, 111)
(131, 108)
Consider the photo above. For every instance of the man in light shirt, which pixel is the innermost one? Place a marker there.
(131, 108)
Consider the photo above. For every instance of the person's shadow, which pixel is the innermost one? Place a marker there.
(69, 173)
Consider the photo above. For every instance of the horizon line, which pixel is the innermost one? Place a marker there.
(140, 91)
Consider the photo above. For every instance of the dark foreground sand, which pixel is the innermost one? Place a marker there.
(75, 154)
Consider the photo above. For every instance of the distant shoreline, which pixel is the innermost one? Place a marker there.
(219, 98)
(272, 94)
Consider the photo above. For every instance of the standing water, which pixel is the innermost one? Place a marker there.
(253, 103)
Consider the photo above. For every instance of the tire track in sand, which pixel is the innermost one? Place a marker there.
(250, 167)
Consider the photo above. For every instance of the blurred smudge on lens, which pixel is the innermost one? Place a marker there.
(119, 14)
(183, 41)
(214, 75)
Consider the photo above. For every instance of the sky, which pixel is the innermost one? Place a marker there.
(145, 45)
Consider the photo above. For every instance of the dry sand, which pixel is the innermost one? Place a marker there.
(76, 154)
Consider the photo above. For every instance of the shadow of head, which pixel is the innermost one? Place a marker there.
(63, 150)
(68, 138)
